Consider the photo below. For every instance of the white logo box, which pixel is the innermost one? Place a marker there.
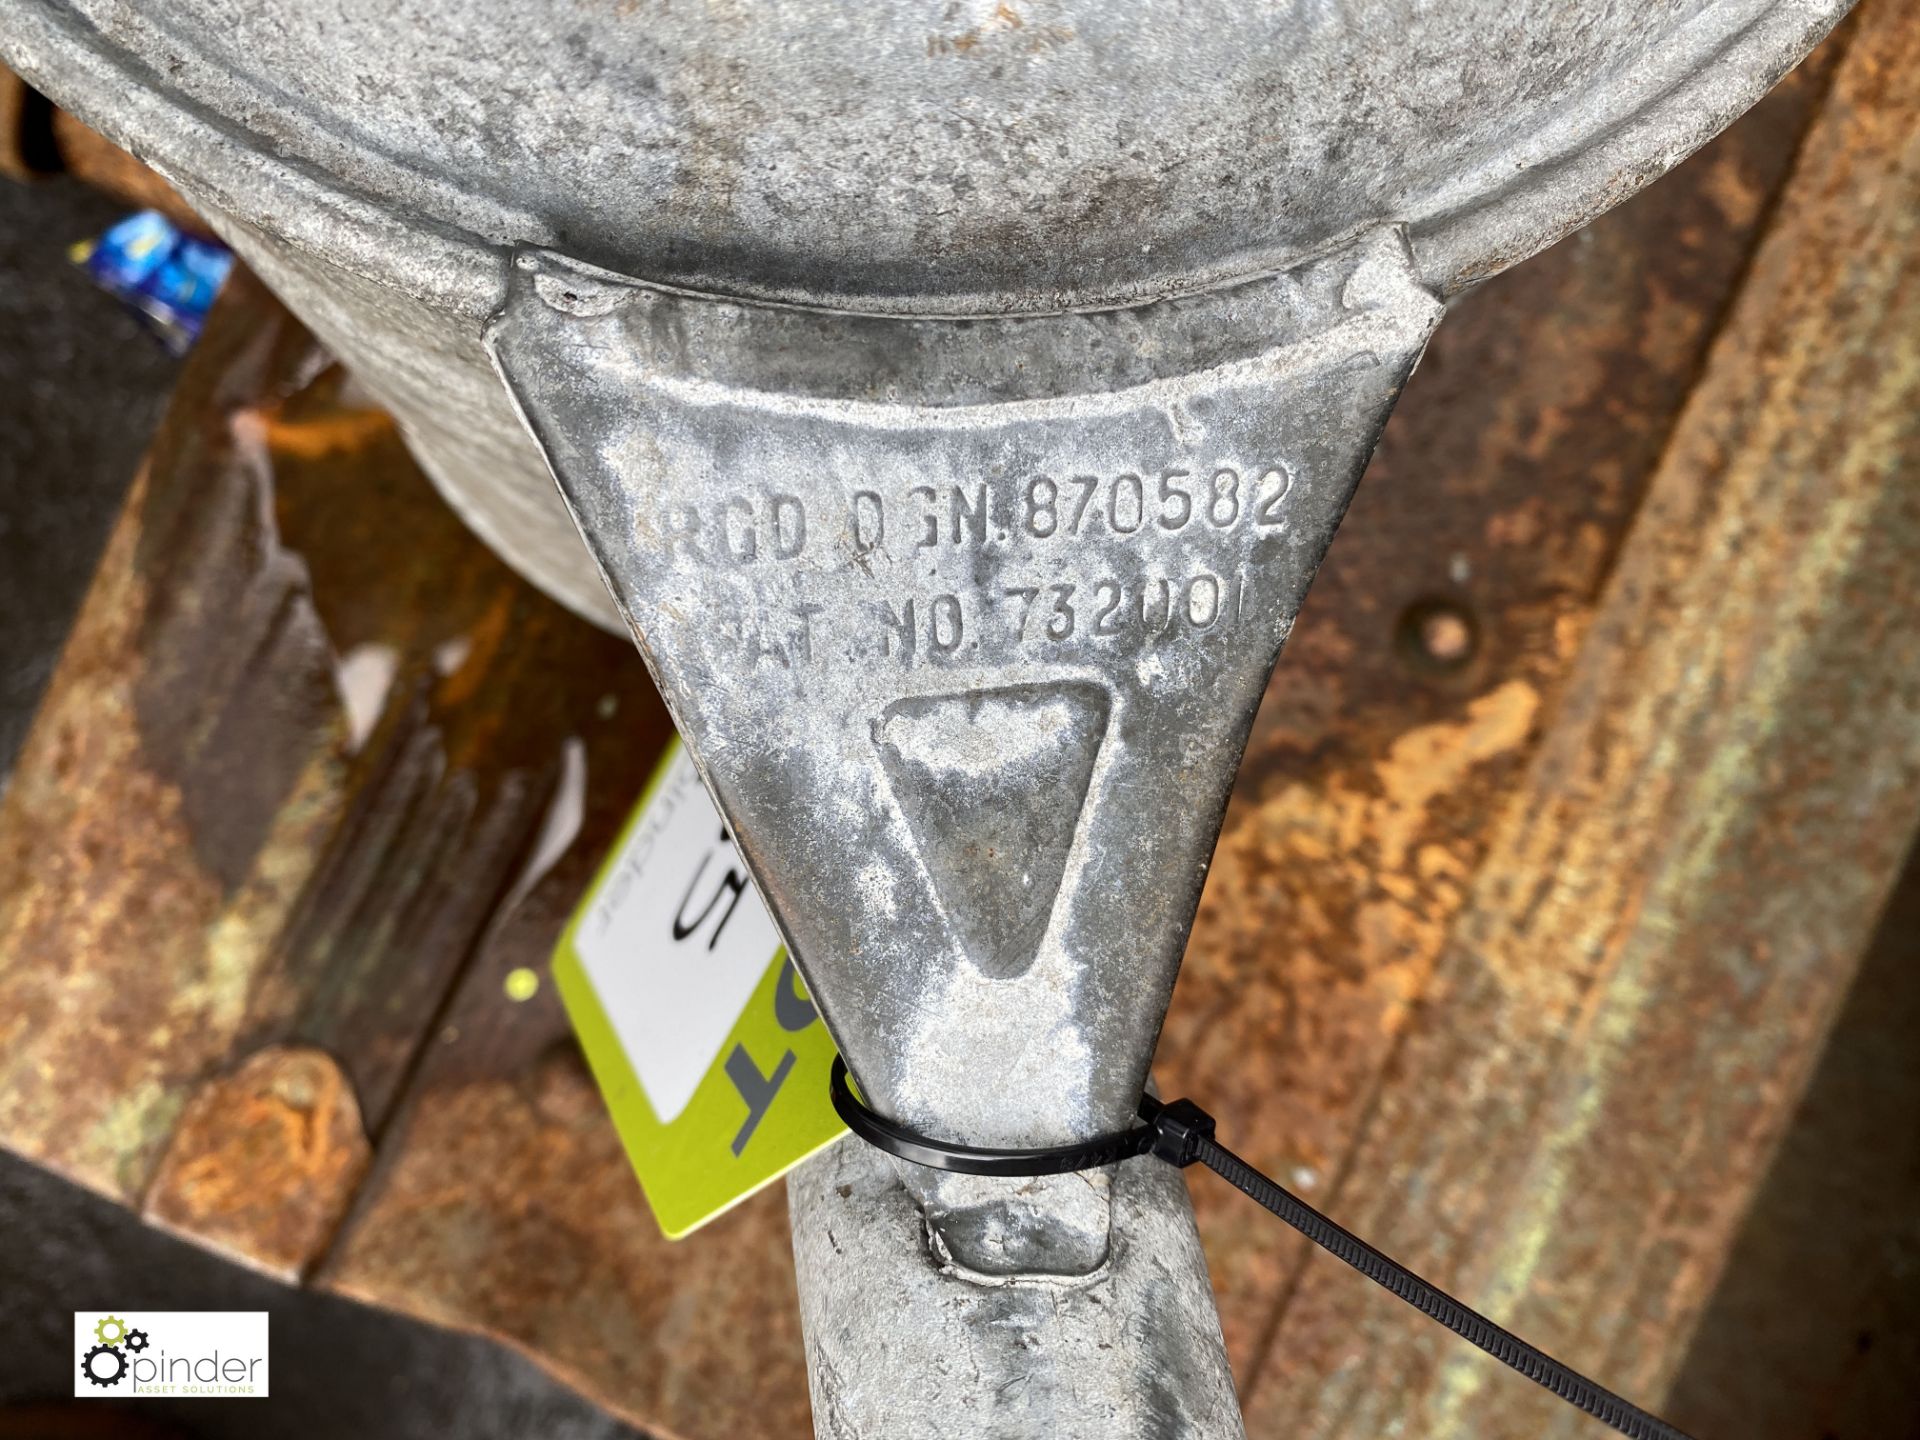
(170, 1354)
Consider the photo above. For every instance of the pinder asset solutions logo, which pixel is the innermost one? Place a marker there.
(208, 1354)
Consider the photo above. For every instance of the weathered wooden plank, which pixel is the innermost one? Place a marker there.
(1675, 901)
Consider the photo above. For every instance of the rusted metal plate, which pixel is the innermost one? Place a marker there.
(312, 759)
(126, 957)
(509, 1207)
(1426, 665)
(307, 737)
(1673, 901)
(503, 1201)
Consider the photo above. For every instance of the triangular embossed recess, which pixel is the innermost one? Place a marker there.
(992, 783)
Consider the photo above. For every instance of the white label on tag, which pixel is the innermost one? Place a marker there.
(676, 940)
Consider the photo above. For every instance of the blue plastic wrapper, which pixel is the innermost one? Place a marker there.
(169, 276)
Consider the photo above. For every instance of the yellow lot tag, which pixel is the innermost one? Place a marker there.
(697, 1027)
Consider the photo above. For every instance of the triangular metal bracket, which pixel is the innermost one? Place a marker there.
(839, 538)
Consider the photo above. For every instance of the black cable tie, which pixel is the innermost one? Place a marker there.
(1181, 1133)
(1177, 1128)
(895, 1139)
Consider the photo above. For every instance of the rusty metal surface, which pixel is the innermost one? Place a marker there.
(269, 799)
(1498, 499)
(208, 880)
(263, 1160)
(1815, 1326)
(117, 945)
(237, 903)
(509, 1207)
(1673, 903)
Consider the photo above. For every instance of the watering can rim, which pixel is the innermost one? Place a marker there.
(453, 252)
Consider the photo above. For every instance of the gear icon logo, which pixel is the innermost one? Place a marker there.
(111, 1359)
(104, 1365)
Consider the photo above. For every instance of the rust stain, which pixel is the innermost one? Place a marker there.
(264, 1161)
(511, 1210)
(112, 1008)
(315, 438)
(1432, 760)
(1005, 31)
